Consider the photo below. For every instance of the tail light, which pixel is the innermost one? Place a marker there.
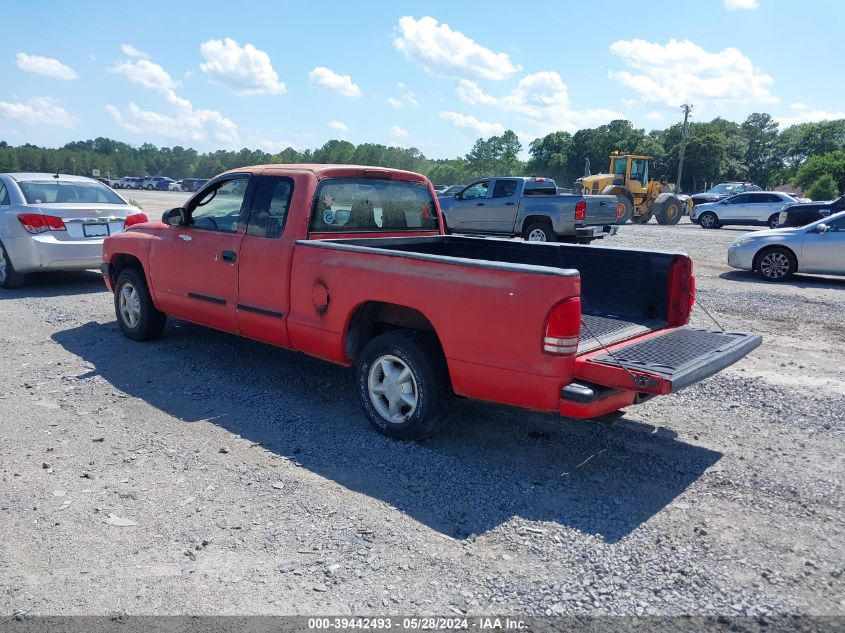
(37, 223)
(681, 291)
(135, 218)
(563, 328)
(620, 210)
(581, 210)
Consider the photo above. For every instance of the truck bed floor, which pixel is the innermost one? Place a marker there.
(598, 330)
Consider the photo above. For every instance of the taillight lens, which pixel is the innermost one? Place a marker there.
(681, 291)
(581, 210)
(37, 223)
(563, 328)
(135, 218)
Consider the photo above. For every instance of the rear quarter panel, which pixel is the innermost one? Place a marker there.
(489, 320)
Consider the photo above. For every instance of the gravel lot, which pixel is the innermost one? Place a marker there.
(206, 474)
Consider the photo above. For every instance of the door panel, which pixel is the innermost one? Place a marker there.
(470, 211)
(502, 206)
(824, 253)
(264, 262)
(735, 208)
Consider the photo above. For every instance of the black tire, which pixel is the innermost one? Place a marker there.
(421, 356)
(773, 221)
(670, 212)
(776, 263)
(629, 210)
(150, 187)
(641, 219)
(709, 220)
(535, 229)
(9, 277)
(150, 321)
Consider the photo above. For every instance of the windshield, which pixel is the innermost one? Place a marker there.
(366, 204)
(721, 189)
(79, 192)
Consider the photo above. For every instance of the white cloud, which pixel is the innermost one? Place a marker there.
(683, 72)
(341, 84)
(736, 5)
(798, 106)
(339, 126)
(131, 51)
(38, 111)
(245, 70)
(45, 66)
(408, 99)
(469, 122)
(541, 98)
(187, 124)
(145, 73)
(399, 132)
(808, 115)
(654, 115)
(442, 51)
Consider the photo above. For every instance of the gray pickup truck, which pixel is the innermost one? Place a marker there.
(531, 208)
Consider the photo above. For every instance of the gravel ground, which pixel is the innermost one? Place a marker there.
(206, 474)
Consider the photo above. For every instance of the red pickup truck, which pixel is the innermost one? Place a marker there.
(350, 264)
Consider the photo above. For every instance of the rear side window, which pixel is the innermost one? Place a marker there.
(504, 189)
(345, 205)
(4, 195)
(269, 209)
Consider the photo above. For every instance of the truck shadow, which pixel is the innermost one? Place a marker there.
(56, 284)
(800, 280)
(488, 465)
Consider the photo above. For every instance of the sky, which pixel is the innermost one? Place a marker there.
(433, 75)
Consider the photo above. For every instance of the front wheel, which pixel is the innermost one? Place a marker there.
(628, 212)
(150, 187)
(777, 264)
(137, 316)
(708, 220)
(670, 212)
(9, 277)
(401, 385)
(774, 221)
(538, 232)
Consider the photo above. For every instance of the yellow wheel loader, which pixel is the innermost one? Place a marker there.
(642, 198)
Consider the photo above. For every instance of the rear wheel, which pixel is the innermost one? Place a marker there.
(708, 220)
(401, 385)
(538, 232)
(137, 316)
(9, 277)
(150, 187)
(670, 212)
(776, 263)
(629, 210)
(774, 221)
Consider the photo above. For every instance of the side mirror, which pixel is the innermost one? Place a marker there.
(822, 228)
(175, 217)
(459, 196)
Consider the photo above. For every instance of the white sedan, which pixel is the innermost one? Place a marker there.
(56, 222)
(760, 208)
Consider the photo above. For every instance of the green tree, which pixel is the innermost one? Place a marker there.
(761, 131)
(551, 156)
(831, 164)
(824, 188)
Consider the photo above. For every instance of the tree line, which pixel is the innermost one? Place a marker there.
(810, 156)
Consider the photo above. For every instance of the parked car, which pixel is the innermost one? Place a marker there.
(109, 182)
(450, 191)
(175, 185)
(151, 182)
(192, 184)
(163, 184)
(752, 208)
(439, 188)
(531, 208)
(419, 315)
(801, 214)
(56, 223)
(778, 254)
(129, 182)
(722, 191)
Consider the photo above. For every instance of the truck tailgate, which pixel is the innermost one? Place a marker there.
(665, 361)
(601, 210)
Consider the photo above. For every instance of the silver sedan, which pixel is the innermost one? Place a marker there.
(56, 222)
(777, 254)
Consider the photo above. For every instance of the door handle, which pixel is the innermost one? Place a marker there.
(603, 204)
(479, 204)
(509, 204)
(229, 256)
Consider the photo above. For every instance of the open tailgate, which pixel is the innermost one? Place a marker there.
(664, 361)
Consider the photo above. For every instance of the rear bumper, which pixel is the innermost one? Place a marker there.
(595, 232)
(44, 252)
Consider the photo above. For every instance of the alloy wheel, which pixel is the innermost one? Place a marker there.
(130, 305)
(393, 389)
(537, 235)
(774, 265)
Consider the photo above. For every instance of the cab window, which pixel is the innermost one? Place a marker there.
(638, 169)
(476, 191)
(219, 207)
(504, 189)
(269, 209)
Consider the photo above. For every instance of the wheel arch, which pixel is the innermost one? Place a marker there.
(533, 217)
(755, 263)
(371, 318)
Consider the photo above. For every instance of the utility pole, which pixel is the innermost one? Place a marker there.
(687, 108)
